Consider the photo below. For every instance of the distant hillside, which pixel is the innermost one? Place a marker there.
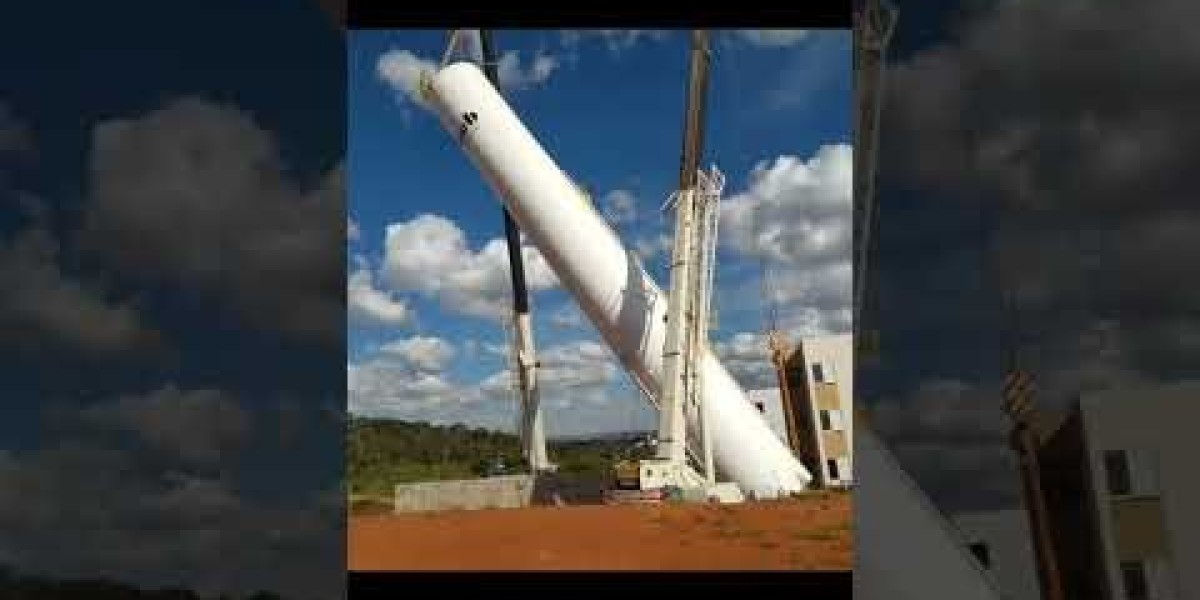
(382, 453)
(27, 587)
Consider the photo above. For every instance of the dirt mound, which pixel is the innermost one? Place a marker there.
(809, 533)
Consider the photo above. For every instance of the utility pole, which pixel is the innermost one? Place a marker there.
(532, 428)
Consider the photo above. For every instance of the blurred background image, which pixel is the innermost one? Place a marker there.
(1029, 288)
(171, 317)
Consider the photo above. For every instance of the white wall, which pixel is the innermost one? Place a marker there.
(772, 410)
(904, 548)
(1006, 533)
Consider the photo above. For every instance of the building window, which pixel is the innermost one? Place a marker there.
(1116, 467)
(1143, 472)
(818, 373)
(1131, 472)
(831, 420)
(833, 468)
(1133, 573)
(980, 550)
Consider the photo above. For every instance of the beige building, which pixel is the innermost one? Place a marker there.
(818, 386)
(1118, 472)
(1139, 452)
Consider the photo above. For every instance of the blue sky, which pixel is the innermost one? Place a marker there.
(608, 107)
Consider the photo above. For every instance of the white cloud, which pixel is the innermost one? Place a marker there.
(773, 38)
(515, 76)
(746, 356)
(427, 354)
(811, 301)
(620, 206)
(650, 247)
(581, 385)
(401, 70)
(567, 317)
(368, 305)
(430, 254)
(617, 40)
(380, 388)
(796, 218)
(353, 233)
(576, 365)
(795, 210)
(574, 376)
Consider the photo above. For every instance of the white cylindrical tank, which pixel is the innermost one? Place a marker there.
(609, 284)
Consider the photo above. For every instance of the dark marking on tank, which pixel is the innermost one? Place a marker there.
(469, 120)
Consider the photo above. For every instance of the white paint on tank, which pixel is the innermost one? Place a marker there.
(607, 281)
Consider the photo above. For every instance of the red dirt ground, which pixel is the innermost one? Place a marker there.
(801, 534)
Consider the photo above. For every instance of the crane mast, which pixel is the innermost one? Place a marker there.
(681, 303)
(693, 260)
(876, 19)
(531, 427)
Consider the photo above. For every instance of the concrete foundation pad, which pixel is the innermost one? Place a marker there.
(511, 491)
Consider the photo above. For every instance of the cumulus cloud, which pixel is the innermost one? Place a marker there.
(40, 300)
(653, 246)
(795, 220)
(951, 436)
(430, 254)
(383, 389)
(567, 317)
(165, 510)
(202, 427)
(370, 306)
(577, 365)
(616, 40)
(1083, 185)
(580, 370)
(773, 38)
(1089, 195)
(428, 354)
(514, 75)
(582, 391)
(401, 70)
(748, 359)
(795, 210)
(620, 206)
(195, 194)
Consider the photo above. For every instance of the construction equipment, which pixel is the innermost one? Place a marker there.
(689, 294)
(688, 305)
(611, 287)
(531, 428)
